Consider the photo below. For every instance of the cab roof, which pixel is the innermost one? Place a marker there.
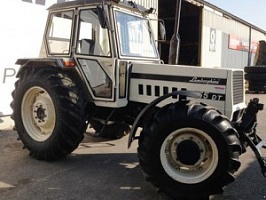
(77, 3)
(80, 3)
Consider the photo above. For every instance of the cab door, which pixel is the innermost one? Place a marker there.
(94, 55)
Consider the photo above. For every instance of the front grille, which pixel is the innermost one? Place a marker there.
(238, 87)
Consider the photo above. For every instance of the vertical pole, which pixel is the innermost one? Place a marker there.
(249, 48)
(175, 40)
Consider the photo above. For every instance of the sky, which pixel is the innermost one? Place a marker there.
(252, 11)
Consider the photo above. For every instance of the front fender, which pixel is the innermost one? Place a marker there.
(192, 94)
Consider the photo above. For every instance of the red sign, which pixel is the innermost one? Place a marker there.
(240, 44)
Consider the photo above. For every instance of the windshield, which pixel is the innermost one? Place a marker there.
(135, 36)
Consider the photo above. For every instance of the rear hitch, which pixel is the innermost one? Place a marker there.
(247, 131)
(256, 145)
(249, 117)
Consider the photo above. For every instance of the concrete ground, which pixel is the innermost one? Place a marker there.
(104, 170)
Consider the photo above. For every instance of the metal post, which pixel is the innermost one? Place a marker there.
(175, 40)
(249, 48)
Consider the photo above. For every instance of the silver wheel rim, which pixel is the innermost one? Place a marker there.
(203, 166)
(38, 113)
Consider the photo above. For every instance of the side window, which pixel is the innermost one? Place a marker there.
(59, 32)
(92, 38)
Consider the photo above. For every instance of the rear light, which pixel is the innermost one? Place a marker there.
(69, 62)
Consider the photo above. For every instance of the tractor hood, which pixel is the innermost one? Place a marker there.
(221, 88)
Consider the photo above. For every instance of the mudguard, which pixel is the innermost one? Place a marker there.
(181, 94)
(39, 62)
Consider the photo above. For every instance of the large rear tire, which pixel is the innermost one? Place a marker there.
(49, 112)
(189, 151)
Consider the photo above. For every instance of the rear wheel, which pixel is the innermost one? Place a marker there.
(189, 151)
(49, 112)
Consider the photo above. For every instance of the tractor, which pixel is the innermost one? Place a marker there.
(99, 66)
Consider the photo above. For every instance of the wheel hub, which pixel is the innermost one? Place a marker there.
(188, 152)
(43, 111)
(189, 155)
(38, 113)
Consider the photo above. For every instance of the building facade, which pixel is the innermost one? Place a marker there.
(210, 36)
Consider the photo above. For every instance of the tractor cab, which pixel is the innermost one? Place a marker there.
(101, 39)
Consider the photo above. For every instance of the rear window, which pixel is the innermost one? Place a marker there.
(58, 35)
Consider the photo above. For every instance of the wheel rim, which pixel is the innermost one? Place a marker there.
(38, 113)
(189, 155)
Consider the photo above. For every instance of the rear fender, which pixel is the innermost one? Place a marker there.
(181, 94)
(39, 62)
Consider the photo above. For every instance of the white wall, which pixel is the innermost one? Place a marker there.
(22, 24)
(211, 56)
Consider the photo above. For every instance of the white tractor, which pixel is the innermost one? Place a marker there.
(99, 65)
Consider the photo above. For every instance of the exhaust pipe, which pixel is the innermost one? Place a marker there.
(175, 40)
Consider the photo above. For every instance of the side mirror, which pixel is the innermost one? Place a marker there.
(161, 31)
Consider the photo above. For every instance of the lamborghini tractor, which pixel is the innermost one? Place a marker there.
(99, 66)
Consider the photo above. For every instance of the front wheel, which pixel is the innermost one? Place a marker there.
(189, 151)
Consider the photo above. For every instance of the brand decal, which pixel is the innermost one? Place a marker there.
(208, 81)
(213, 96)
(183, 79)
